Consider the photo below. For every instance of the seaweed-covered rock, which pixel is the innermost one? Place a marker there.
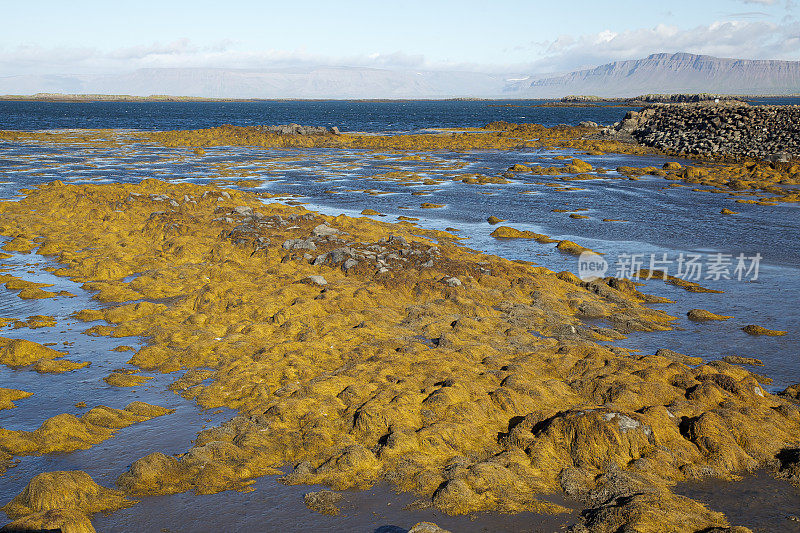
(22, 352)
(65, 490)
(754, 329)
(8, 396)
(62, 520)
(700, 315)
(323, 501)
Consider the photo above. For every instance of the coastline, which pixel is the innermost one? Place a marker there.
(88, 98)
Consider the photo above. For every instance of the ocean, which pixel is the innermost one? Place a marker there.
(369, 116)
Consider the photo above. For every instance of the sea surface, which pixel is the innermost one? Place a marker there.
(655, 222)
(347, 115)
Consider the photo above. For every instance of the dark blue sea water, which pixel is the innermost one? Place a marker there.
(348, 115)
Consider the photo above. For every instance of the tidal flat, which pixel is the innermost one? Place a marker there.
(206, 319)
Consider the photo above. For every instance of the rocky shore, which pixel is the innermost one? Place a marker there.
(651, 98)
(729, 128)
(357, 351)
(297, 129)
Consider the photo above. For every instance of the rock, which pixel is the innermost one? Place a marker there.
(753, 329)
(571, 248)
(700, 315)
(789, 465)
(370, 212)
(65, 490)
(737, 360)
(22, 352)
(317, 280)
(348, 264)
(397, 239)
(506, 232)
(727, 211)
(339, 254)
(650, 512)
(299, 244)
(780, 157)
(323, 502)
(452, 282)
(588, 124)
(679, 357)
(8, 396)
(494, 220)
(426, 527)
(323, 230)
(578, 167)
(52, 520)
(297, 129)
(67, 433)
(792, 391)
(728, 127)
(120, 379)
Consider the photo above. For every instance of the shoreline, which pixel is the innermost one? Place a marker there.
(99, 98)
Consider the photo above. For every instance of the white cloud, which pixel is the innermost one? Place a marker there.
(749, 39)
(737, 39)
(183, 53)
(761, 2)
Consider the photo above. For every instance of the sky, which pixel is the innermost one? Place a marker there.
(88, 37)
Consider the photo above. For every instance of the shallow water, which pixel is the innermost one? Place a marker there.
(760, 502)
(657, 220)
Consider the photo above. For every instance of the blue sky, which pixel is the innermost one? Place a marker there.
(49, 37)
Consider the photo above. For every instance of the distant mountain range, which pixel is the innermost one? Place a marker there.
(321, 82)
(670, 73)
(658, 73)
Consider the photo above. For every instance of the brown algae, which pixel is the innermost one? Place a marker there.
(465, 378)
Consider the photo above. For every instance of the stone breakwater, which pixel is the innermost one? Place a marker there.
(650, 98)
(726, 129)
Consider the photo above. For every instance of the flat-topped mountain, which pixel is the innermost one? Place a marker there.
(669, 73)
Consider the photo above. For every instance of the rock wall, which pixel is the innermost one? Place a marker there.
(726, 128)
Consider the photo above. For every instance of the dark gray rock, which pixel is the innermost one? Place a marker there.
(297, 129)
(730, 128)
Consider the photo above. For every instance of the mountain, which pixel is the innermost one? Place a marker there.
(659, 73)
(32, 84)
(669, 73)
(320, 82)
